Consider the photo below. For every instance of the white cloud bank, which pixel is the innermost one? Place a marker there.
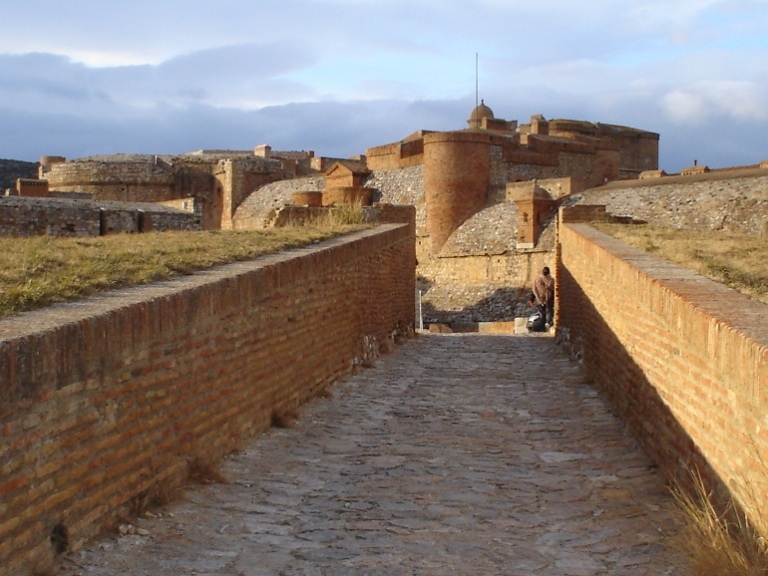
(338, 76)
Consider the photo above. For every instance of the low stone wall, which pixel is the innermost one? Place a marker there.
(64, 217)
(729, 200)
(106, 402)
(258, 210)
(684, 360)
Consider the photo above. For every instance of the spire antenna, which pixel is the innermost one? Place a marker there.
(477, 80)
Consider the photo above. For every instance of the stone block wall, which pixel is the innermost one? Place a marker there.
(31, 188)
(105, 401)
(139, 180)
(79, 218)
(397, 155)
(683, 360)
(257, 211)
(54, 217)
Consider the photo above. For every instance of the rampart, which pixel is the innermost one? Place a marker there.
(219, 181)
(62, 217)
(683, 360)
(107, 401)
(133, 178)
(456, 180)
(735, 199)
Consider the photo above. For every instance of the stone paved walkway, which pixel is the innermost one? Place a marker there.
(456, 454)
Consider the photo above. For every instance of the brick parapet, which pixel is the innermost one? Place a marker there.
(683, 359)
(105, 399)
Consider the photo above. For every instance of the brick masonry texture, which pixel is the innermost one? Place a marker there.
(470, 280)
(103, 401)
(683, 360)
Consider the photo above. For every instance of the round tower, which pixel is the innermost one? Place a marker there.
(46, 162)
(457, 175)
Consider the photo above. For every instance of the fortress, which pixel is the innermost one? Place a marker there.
(105, 401)
(484, 196)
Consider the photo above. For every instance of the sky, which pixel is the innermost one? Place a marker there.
(90, 77)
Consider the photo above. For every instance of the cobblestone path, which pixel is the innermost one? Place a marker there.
(456, 454)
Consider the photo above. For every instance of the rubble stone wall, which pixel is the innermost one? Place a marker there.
(62, 217)
(108, 400)
(683, 359)
(715, 201)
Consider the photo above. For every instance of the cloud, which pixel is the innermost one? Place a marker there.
(725, 99)
(247, 76)
(338, 76)
(681, 106)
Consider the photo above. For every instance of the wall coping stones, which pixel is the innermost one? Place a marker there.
(729, 306)
(59, 315)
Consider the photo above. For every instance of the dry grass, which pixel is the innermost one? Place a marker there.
(283, 417)
(717, 541)
(732, 258)
(342, 215)
(39, 271)
(206, 471)
(165, 492)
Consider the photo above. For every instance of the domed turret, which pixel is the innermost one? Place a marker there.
(478, 114)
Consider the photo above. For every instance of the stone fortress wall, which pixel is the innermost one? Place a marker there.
(484, 195)
(471, 264)
(107, 402)
(218, 182)
(669, 326)
(79, 218)
(104, 422)
(733, 199)
(682, 359)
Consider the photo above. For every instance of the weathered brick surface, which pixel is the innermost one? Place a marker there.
(683, 359)
(103, 400)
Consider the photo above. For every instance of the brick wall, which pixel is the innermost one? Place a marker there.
(104, 400)
(457, 167)
(684, 360)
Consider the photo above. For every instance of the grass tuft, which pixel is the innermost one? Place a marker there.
(325, 392)
(165, 492)
(340, 216)
(284, 418)
(206, 471)
(716, 540)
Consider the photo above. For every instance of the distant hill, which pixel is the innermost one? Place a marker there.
(10, 170)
